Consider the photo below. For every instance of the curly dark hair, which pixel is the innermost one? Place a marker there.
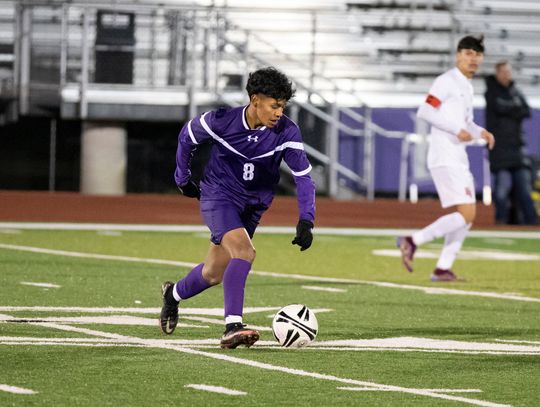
(270, 82)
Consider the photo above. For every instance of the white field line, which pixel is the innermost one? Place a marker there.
(328, 289)
(109, 233)
(516, 341)
(104, 320)
(146, 310)
(266, 366)
(260, 345)
(46, 285)
(464, 255)
(428, 290)
(433, 390)
(215, 321)
(262, 229)
(16, 390)
(96, 256)
(216, 389)
(10, 231)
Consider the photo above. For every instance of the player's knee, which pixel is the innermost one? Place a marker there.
(246, 253)
(212, 278)
(469, 216)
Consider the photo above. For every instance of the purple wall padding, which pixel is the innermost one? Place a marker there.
(387, 151)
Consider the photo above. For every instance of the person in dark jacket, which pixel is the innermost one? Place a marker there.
(506, 108)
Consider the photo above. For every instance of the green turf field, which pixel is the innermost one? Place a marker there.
(78, 323)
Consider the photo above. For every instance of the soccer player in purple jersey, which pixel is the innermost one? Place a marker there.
(238, 185)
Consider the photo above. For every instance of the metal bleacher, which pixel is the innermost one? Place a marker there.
(344, 56)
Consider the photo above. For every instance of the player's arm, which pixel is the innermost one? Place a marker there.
(478, 132)
(430, 110)
(296, 158)
(193, 133)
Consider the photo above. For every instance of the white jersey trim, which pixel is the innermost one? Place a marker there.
(289, 144)
(217, 138)
(300, 173)
(190, 131)
(244, 118)
(245, 123)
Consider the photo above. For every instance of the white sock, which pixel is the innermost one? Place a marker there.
(441, 227)
(452, 245)
(175, 293)
(233, 319)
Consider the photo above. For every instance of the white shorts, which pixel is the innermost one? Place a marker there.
(455, 186)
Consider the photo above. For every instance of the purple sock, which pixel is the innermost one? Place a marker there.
(234, 282)
(192, 284)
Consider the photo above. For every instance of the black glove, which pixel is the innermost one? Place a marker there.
(191, 190)
(303, 237)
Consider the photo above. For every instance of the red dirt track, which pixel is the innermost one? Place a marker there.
(18, 206)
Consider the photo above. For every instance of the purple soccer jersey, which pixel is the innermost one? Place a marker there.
(244, 164)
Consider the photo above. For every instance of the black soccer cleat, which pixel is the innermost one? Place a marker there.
(237, 334)
(168, 319)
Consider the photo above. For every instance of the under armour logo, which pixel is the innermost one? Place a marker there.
(253, 138)
(468, 192)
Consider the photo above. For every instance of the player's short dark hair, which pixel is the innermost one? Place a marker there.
(471, 42)
(270, 82)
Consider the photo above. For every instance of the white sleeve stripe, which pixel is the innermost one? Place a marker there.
(300, 173)
(289, 144)
(190, 131)
(217, 138)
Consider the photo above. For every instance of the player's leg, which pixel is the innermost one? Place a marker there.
(201, 277)
(238, 244)
(454, 188)
(453, 241)
(220, 216)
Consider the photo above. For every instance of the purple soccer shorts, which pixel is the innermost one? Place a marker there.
(222, 216)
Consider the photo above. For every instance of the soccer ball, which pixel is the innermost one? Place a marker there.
(295, 326)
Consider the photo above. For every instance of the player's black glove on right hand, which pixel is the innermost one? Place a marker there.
(303, 237)
(191, 190)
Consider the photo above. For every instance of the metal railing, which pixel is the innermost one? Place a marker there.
(196, 51)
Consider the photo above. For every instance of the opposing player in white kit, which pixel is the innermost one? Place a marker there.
(449, 109)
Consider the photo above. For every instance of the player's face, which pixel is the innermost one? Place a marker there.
(268, 110)
(468, 61)
(504, 74)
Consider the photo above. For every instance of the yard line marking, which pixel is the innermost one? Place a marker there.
(146, 310)
(109, 232)
(96, 256)
(261, 229)
(428, 290)
(16, 390)
(432, 390)
(105, 320)
(10, 231)
(220, 322)
(464, 255)
(424, 343)
(328, 289)
(516, 341)
(216, 389)
(266, 366)
(214, 344)
(46, 285)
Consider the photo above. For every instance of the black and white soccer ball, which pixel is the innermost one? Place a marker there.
(295, 326)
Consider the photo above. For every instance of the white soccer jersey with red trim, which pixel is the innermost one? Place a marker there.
(448, 108)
